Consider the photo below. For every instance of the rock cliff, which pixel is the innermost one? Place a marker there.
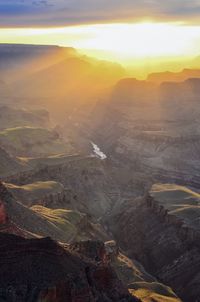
(79, 175)
(41, 270)
(163, 243)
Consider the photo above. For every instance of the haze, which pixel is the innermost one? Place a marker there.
(122, 41)
(100, 150)
(133, 33)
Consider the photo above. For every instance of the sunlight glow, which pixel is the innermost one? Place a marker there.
(127, 41)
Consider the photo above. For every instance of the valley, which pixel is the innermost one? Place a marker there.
(99, 186)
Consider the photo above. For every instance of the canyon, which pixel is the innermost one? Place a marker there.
(99, 195)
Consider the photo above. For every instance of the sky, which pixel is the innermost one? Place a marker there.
(124, 28)
(63, 12)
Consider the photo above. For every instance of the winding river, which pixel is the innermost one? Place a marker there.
(97, 151)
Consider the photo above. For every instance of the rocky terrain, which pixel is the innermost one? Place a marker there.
(27, 139)
(80, 175)
(8, 163)
(69, 226)
(33, 142)
(17, 117)
(38, 191)
(70, 274)
(151, 134)
(165, 242)
(153, 131)
(115, 162)
(179, 201)
(62, 224)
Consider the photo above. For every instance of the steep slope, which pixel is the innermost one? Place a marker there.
(61, 224)
(188, 90)
(166, 246)
(8, 164)
(149, 130)
(35, 192)
(79, 227)
(179, 201)
(80, 175)
(139, 282)
(45, 271)
(154, 292)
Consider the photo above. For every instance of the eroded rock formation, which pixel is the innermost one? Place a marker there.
(166, 247)
(42, 270)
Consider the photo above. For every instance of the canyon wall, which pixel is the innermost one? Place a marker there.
(167, 247)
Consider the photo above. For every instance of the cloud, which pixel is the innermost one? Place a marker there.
(63, 12)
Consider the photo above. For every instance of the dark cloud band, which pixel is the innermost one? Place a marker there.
(63, 12)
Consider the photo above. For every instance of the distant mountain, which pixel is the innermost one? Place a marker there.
(57, 79)
(174, 76)
(179, 94)
(133, 91)
(18, 59)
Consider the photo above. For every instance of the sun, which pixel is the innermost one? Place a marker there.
(142, 39)
(122, 41)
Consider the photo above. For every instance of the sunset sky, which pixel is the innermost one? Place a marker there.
(125, 29)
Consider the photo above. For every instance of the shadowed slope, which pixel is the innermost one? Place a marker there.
(42, 270)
